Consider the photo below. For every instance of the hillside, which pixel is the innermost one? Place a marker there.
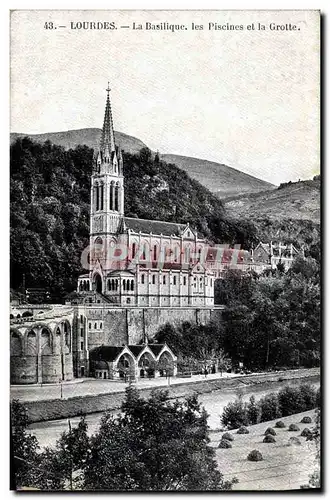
(296, 200)
(220, 179)
(87, 136)
(49, 208)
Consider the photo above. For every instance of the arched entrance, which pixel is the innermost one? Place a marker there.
(147, 365)
(166, 365)
(126, 367)
(98, 283)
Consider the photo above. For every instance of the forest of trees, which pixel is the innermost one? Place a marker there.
(270, 321)
(50, 203)
(153, 445)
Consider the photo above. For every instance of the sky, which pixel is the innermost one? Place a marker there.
(246, 98)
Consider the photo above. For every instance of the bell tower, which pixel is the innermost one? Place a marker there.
(107, 186)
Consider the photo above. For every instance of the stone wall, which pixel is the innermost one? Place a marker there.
(131, 325)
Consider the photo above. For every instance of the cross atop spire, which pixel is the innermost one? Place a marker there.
(107, 144)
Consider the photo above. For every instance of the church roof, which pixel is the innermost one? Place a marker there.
(136, 349)
(156, 227)
(156, 348)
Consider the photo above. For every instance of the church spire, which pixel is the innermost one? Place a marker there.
(107, 144)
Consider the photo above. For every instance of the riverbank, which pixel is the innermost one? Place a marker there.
(59, 408)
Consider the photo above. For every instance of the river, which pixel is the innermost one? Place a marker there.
(48, 432)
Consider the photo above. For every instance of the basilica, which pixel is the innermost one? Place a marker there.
(139, 262)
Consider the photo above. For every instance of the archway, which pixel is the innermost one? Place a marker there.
(147, 365)
(126, 366)
(98, 283)
(166, 365)
(15, 344)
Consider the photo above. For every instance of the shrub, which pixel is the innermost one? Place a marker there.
(224, 443)
(255, 456)
(253, 411)
(308, 396)
(271, 431)
(243, 430)
(294, 427)
(235, 414)
(306, 432)
(290, 401)
(294, 440)
(269, 407)
(269, 439)
(306, 420)
(228, 436)
(280, 424)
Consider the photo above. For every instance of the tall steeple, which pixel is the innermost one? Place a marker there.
(107, 144)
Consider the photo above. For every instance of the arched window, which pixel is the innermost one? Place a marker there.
(199, 254)
(90, 326)
(111, 197)
(174, 280)
(132, 285)
(145, 251)
(101, 196)
(133, 250)
(142, 279)
(95, 326)
(116, 283)
(184, 280)
(187, 254)
(109, 285)
(117, 197)
(101, 324)
(164, 279)
(124, 285)
(153, 279)
(155, 252)
(176, 254)
(97, 198)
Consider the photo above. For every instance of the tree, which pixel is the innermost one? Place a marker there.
(24, 447)
(235, 414)
(154, 445)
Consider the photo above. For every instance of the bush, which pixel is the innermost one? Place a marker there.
(279, 424)
(306, 432)
(228, 436)
(294, 440)
(271, 431)
(306, 420)
(224, 443)
(253, 411)
(269, 439)
(294, 427)
(243, 430)
(235, 414)
(308, 396)
(290, 401)
(269, 407)
(255, 456)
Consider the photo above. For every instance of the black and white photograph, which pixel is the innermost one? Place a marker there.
(165, 251)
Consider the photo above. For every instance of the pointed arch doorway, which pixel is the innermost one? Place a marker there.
(98, 283)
